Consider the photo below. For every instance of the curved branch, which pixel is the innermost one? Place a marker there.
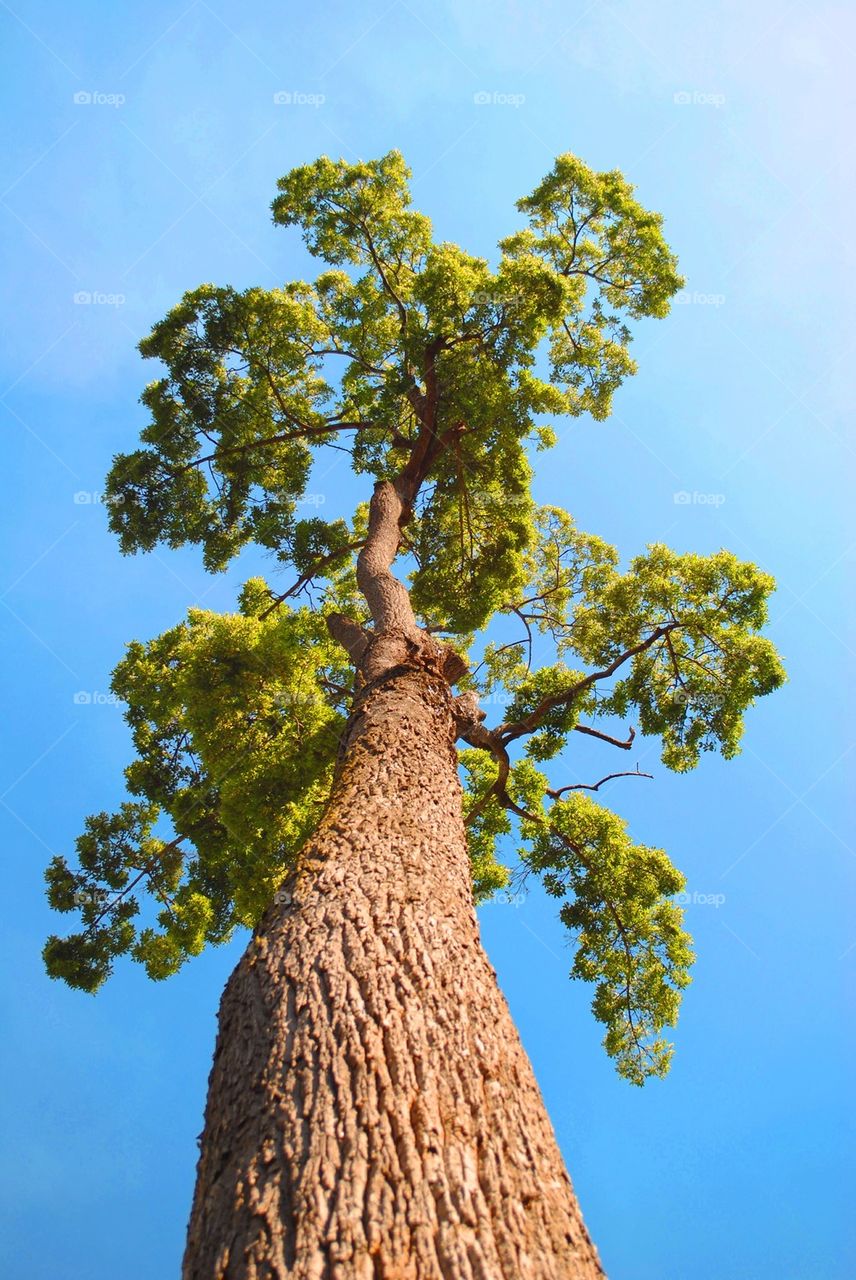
(143, 871)
(387, 598)
(393, 293)
(605, 737)
(303, 432)
(349, 634)
(508, 732)
(498, 790)
(588, 786)
(622, 935)
(305, 578)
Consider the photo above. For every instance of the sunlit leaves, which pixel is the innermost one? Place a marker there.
(356, 213)
(398, 336)
(113, 853)
(558, 722)
(703, 663)
(487, 822)
(235, 722)
(617, 900)
(609, 254)
(673, 642)
(565, 567)
(227, 450)
(469, 541)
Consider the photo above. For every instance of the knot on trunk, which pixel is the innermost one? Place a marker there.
(468, 720)
(376, 654)
(372, 652)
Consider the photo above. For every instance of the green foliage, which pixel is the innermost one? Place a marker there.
(235, 722)
(605, 255)
(564, 565)
(424, 364)
(616, 899)
(468, 546)
(703, 663)
(485, 829)
(557, 723)
(110, 851)
(680, 631)
(357, 213)
(399, 334)
(240, 398)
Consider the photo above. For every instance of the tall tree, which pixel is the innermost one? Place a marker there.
(371, 1113)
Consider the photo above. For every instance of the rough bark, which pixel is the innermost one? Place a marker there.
(371, 1112)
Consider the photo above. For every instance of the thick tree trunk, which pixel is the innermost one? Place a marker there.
(371, 1113)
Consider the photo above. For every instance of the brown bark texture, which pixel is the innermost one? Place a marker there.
(371, 1112)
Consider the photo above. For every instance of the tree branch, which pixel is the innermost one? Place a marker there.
(605, 737)
(595, 786)
(307, 577)
(304, 432)
(508, 732)
(479, 737)
(349, 634)
(387, 598)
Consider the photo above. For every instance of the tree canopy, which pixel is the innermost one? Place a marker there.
(440, 374)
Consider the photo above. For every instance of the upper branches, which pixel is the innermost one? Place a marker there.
(421, 362)
(413, 356)
(675, 640)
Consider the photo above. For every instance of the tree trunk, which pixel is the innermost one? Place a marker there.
(371, 1112)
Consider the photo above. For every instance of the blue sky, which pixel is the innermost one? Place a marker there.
(732, 120)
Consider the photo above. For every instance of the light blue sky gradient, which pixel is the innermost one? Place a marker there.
(735, 121)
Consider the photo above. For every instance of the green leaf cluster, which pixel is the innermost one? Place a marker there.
(235, 720)
(617, 900)
(704, 663)
(398, 335)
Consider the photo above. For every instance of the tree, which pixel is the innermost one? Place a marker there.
(371, 1112)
